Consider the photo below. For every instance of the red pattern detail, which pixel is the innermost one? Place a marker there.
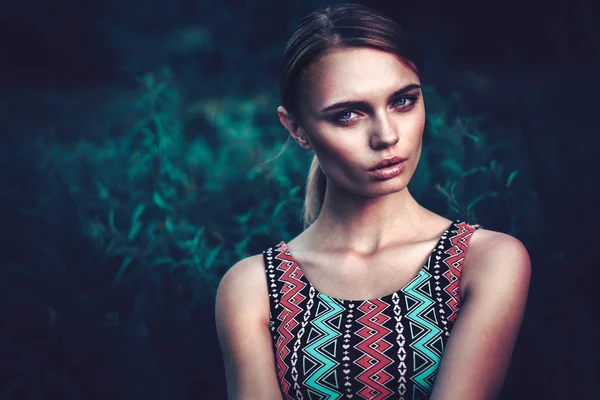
(290, 300)
(460, 243)
(374, 376)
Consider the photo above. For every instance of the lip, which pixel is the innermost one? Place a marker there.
(387, 162)
(388, 172)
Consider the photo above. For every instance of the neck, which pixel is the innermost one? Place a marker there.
(366, 224)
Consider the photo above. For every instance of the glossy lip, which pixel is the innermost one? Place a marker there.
(388, 161)
(389, 172)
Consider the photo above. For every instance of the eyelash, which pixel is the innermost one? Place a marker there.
(413, 99)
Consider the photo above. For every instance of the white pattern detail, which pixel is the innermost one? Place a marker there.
(401, 351)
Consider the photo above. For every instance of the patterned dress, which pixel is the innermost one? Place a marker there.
(384, 348)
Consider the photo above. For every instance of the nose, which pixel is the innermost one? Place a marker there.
(384, 133)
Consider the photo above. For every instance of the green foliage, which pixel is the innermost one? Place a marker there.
(158, 198)
(127, 206)
(193, 185)
(478, 171)
(164, 196)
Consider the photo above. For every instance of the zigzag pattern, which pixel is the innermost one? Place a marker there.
(459, 244)
(373, 347)
(385, 348)
(322, 380)
(424, 332)
(291, 300)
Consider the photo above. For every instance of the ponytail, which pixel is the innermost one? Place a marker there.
(316, 183)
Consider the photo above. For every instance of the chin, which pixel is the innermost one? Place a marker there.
(383, 188)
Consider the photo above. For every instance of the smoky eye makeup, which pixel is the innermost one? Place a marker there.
(344, 116)
(412, 99)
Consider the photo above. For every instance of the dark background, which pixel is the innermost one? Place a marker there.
(77, 324)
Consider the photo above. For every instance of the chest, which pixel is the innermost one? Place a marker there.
(343, 275)
(387, 346)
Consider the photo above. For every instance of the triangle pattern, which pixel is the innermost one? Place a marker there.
(312, 395)
(430, 316)
(321, 308)
(331, 379)
(330, 348)
(419, 394)
(425, 288)
(419, 361)
(308, 365)
(410, 303)
(313, 335)
(336, 322)
(437, 345)
(415, 330)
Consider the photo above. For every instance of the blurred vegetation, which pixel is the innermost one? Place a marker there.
(124, 206)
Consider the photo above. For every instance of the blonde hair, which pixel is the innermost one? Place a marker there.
(337, 26)
(316, 183)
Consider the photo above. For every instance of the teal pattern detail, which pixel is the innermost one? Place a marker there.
(318, 341)
(427, 356)
(322, 347)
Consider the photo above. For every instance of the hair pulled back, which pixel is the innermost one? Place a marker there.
(337, 26)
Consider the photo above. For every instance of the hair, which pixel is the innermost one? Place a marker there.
(337, 26)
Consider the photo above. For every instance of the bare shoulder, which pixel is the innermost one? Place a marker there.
(242, 321)
(244, 285)
(496, 258)
(478, 353)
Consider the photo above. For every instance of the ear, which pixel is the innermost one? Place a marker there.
(294, 128)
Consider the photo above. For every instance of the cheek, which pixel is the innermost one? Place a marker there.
(411, 131)
(340, 154)
(338, 158)
(415, 121)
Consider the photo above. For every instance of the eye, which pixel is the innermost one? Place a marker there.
(343, 117)
(405, 102)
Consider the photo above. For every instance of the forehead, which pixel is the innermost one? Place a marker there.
(352, 73)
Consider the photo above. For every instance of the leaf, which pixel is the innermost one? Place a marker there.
(240, 248)
(453, 187)
(199, 234)
(474, 171)
(111, 245)
(511, 177)
(158, 200)
(169, 225)
(212, 255)
(138, 211)
(135, 228)
(192, 244)
(126, 262)
(479, 198)
(243, 219)
(452, 166)
(294, 190)
(103, 191)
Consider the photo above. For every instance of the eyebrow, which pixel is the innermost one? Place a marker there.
(365, 105)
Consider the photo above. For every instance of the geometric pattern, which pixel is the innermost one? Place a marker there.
(384, 348)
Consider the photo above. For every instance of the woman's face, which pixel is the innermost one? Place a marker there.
(357, 107)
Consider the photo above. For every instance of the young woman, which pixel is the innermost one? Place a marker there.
(378, 298)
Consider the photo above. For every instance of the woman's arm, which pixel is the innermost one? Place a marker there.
(478, 352)
(242, 318)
